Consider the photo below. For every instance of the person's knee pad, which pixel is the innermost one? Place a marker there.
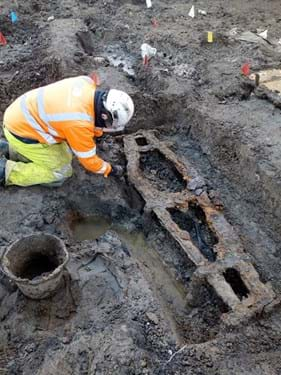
(63, 173)
(60, 176)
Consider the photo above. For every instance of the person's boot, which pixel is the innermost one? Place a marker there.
(3, 162)
(4, 148)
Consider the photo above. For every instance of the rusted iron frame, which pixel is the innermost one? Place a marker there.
(230, 253)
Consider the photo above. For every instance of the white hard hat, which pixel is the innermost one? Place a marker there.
(121, 107)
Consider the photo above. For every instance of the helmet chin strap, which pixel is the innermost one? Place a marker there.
(99, 108)
(108, 127)
(113, 130)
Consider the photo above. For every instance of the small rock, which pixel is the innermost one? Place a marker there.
(11, 364)
(215, 198)
(100, 60)
(233, 32)
(153, 318)
(49, 218)
(51, 18)
(77, 59)
(143, 363)
(30, 348)
(192, 73)
(198, 192)
(78, 53)
(185, 236)
(66, 339)
(203, 12)
(196, 183)
(185, 362)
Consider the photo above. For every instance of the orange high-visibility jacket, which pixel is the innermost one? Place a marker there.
(60, 111)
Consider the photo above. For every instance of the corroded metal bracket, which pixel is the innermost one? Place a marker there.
(230, 255)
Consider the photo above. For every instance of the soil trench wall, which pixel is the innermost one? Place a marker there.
(228, 150)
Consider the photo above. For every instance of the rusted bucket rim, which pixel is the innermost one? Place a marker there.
(41, 280)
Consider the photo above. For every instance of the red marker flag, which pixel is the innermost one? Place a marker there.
(3, 40)
(145, 60)
(245, 69)
(95, 78)
(154, 22)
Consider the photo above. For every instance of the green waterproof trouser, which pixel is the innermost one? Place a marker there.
(47, 164)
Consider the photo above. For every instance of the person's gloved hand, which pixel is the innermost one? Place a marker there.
(117, 171)
(98, 132)
(107, 170)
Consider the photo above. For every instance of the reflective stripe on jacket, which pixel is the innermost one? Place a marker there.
(60, 111)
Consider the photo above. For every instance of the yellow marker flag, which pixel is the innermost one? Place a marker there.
(210, 37)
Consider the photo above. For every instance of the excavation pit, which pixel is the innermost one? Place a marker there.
(161, 172)
(35, 263)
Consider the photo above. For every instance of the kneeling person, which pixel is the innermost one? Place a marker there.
(45, 126)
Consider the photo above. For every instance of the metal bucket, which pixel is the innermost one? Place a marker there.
(35, 263)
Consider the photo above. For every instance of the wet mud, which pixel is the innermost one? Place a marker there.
(124, 304)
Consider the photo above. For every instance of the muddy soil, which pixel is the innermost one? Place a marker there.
(122, 307)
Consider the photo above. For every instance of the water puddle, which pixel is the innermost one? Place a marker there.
(90, 228)
(170, 292)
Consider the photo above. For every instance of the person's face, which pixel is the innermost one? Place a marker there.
(107, 120)
(111, 125)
